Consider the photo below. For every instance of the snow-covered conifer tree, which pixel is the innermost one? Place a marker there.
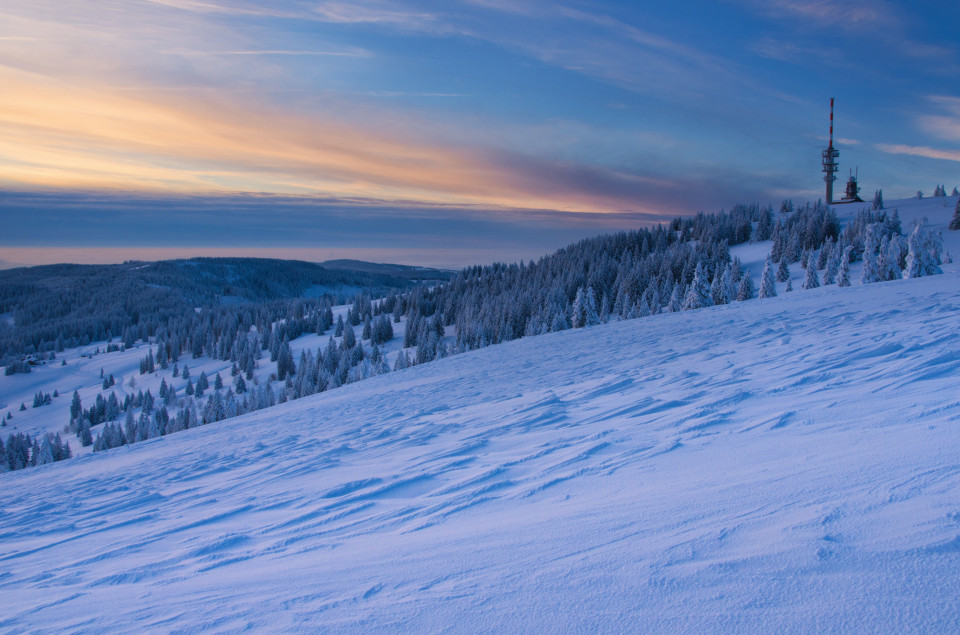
(878, 200)
(745, 288)
(783, 271)
(720, 287)
(955, 221)
(891, 262)
(870, 246)
(810, 280)
(923, 253)
(403, 361)
(674, 304)
(698, 295)
(843, 273)
(285, 364)
(768, 286)
(585, 308)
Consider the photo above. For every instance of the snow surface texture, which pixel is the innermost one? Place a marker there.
(791, 464)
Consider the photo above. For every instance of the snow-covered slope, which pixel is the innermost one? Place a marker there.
(791, 464)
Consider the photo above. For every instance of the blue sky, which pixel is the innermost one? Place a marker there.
(454, 131)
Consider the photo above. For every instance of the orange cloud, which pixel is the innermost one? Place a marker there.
(919, 151)
(55, 134)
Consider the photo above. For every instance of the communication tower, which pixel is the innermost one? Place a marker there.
(830, 166)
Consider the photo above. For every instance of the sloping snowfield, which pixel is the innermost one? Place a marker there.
(780, 465)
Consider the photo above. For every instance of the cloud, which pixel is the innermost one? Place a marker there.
(56, 134)
(943, 126)
(352, 52)
(837, 14)
(786, 51)
(919, 151)
(381, 13)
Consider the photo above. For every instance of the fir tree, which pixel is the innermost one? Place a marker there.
(719, 290)
(674, 304)
(768, 286)
(585, 308)
(810, 280)
(955, 221)
(75, 406)
(870, 246)
(878, 200)
(202, 384)
(843, 274)
(349, 339)
(698, 295)
(745, 288)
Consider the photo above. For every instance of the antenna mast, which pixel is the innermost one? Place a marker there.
(830, 166)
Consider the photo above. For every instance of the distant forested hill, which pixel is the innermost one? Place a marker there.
(401, 271)
(50, 306)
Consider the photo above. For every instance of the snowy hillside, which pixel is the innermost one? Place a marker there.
(788, 464)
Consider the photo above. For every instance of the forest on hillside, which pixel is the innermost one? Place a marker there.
(48, 308)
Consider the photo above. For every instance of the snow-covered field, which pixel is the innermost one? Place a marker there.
(780, 465)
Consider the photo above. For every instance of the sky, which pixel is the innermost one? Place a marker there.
(447, 133)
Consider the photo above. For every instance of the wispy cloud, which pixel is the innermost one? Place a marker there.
(352, 52)
(919, 151)
(787, 51)
(946, 124)
(386, 13)
(56, 134)
(837, 14)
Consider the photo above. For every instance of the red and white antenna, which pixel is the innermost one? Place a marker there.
(830, 166)
(831, 123)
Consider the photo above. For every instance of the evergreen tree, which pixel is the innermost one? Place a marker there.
(745, 288)
(75, 406)
(698, 295)
(810, 280)
(783, 271)
(870, 246)
(202, 384)
(923, 253)
(349, 339)
(585, 308)
(843, 274)
(217, 382)
(674, 304)
(955, 221)
(890, 268)
(719, 289)
(403, 361)
(878, 200)
(768, 286)
(86, 438)
(129, 428)
(765, 225)
(46, 452)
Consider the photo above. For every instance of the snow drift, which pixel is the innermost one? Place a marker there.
(789, 464)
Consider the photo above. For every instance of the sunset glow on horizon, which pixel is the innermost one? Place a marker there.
(586, 107)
